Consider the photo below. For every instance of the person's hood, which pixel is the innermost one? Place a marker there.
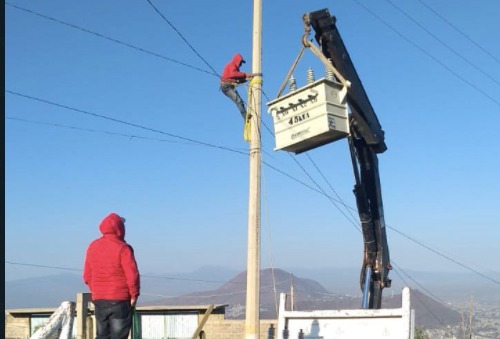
(238, 59)
(113, 224)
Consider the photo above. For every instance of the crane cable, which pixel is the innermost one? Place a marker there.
(319, 54)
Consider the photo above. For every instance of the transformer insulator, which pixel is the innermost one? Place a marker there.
(329, 73)
(310, 76)
(293, 84)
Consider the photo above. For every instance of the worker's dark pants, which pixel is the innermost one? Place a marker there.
(230, 91)
(113, 319)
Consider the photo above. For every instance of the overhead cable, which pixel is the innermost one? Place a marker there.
(318, 190)
(182, 37)
(459, 31)
(421, 301)
(129, 136)
(429, 55)
(111, 39)
(123, 122)
(142, 275)
(446, 257)
(442, 42)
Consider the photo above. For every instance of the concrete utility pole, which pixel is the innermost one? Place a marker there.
(252, 320)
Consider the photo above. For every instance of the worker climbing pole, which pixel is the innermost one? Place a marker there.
(232, 77)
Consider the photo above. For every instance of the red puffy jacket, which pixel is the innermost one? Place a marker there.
(110, 268)
(232, 72)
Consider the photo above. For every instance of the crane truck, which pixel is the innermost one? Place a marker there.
(323, 111)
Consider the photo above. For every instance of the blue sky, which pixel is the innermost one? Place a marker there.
(435, 90)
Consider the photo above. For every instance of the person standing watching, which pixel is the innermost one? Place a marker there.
(113, 278)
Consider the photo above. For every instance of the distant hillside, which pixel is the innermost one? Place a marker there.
(456, 286)
(225, 286)
(47, 291)
(50, 291)
(309, 295)
(161, 285)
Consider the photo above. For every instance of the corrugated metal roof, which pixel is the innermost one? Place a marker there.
(180, 307)
(31, 311)
(169, 308)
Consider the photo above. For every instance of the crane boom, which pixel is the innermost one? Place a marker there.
(366, 140)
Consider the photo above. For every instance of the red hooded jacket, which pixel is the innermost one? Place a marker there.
(110, 268)
(232, 72)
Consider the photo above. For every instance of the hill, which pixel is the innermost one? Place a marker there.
(309, 295)
(228, 288)
(51, 290)
(46, 291)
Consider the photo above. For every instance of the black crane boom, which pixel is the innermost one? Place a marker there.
(366, 140)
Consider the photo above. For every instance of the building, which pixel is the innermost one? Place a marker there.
(154, 322)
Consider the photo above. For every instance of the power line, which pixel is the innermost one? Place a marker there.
(177, 31)
(433, 250)
(443, 43)
(43, 266)
(425, 246)
(191, 140)
(158, 131)
(321, 191)
(422, 287)
(111, 39)
(182, 37)
(124, 122)
(129, 136)
(326, 195)
(445, 256)
(162, 277)
(131, 46)
(459, 31)
(190, 46)
(406, 236)
(429, 55)
(193, 49)
(142, 275)
(215, 73)
(357, 227)
(418, 297)
(335, 192)
(138, 137)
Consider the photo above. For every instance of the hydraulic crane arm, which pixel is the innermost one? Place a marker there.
(366, 140)
(332, 46)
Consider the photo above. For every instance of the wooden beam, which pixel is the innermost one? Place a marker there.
(203, 321)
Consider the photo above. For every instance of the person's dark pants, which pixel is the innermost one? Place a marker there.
(230, 91)
(113, 318)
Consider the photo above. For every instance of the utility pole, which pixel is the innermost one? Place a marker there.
(252, 319)
(471, 312)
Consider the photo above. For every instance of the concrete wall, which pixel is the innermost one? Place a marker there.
(17, 327)
(219, 328)
(216, 327)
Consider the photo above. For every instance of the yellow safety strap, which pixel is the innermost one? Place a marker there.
(247, 130)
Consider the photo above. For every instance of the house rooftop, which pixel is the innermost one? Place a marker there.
(143, 309)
